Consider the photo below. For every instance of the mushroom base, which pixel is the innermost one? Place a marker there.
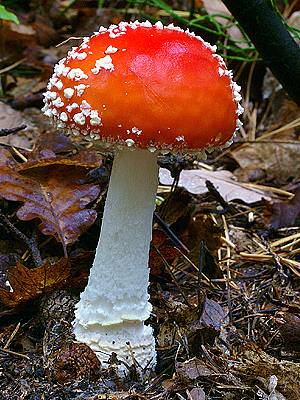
(114, 305)
(133, 342)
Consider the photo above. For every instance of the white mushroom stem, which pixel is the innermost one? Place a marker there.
(111, 312)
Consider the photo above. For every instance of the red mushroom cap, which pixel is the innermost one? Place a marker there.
(145, 85)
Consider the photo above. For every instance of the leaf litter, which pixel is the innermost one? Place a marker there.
(49, 188)
(224, 258)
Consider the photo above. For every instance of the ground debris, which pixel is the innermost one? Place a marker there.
(258, 364)
(224, 259)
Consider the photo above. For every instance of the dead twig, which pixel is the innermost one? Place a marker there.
(172, 275)
(6, 132)
(30, 242)
(171, 235)
(219, 198)
(228, 273)
(10, 339)
(14, 353)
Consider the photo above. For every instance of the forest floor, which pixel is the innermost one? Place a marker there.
(224, 287)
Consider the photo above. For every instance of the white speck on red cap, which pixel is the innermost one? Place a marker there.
(103, 63)
(50, 95)
(59, 85)
(80, 88)
(58, 102)
(72, 107)
(94, 118)
(68, 92)
(111, 50)
(76, 74)
(136, 131)
(79, 56)
(129, 142)
(63, 117)
(79, 118)
(85, 107)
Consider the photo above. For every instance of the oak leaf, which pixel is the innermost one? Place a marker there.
(28, 284)
(52, 188)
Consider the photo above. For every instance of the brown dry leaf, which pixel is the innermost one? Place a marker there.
(9, 118)
(283, 214)
(279, 160)
(55, 141)
(193, 369)
(51, 189)
(185, 218)
(191, 227)
(84, 159)
(162, 251)
(194, 181)
(202, 227)
(179, 205)
(197, 394)
(28, 284)
(210, 322)
(18, 33)
(289, 328)
(254, 364)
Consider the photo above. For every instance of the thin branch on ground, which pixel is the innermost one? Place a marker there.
(6, 132)
(30, 242)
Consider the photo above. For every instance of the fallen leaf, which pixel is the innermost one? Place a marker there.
(45, 33)
(211, 320)
(254, 363)
(21, 29)
(179, 205)
(185, 219)
(202, 228)
(162, 251)
(55, 141)
(279, 160)
(197, 394)
(9, 118)
(52, 189)
(192, 369)
(28, 284)
(194, 181)
(289, 328)
(283, 214)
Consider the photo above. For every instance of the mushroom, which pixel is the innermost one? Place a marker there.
(140, 90)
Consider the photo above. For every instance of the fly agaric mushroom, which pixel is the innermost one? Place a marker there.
(138, 89)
